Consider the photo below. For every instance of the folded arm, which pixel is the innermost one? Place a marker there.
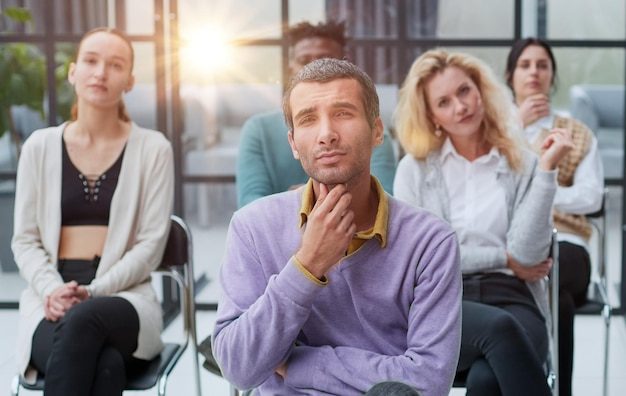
(433, 340)
(530, 233)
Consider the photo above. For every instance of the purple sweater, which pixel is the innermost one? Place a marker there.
(390, 313)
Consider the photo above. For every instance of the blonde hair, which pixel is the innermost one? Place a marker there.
(121, 108)
(415, 129)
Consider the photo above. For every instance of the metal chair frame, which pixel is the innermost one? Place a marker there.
(553, 359)
(597, 296)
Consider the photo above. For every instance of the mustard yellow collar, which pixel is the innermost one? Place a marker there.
(382, 215)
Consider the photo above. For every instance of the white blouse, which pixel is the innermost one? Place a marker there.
(478, 207)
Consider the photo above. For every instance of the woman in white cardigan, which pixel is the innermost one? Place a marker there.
(93, 200)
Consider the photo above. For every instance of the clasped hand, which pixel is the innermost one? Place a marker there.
(529, 272)
(329, 229)
(62, 299)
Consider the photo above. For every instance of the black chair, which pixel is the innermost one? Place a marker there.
(211, 365)
(597, 297)
(177, 264)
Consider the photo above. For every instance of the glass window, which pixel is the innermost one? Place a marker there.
(65, 53)
(231, 20)
(495, 57)
(366, 19)
(422, 18)
(78, 18)
(586, 66)
(586, 20)
(231, 64)
(217, 102)
(599, 103)
(12, 16)
(313, 11)
(141, 101)
(469, 19)
(379, 62)
(7, 202)
(22, 93)
(75, 19)
(139, 17)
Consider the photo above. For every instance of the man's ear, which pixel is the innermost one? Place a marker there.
(294, 150)
(378, 132)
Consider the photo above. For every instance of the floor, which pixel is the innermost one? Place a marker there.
(208, 248)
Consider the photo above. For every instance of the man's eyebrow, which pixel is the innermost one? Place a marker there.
(303, 112)
(343, 104)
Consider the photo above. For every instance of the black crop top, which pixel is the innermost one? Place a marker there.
(86, 199)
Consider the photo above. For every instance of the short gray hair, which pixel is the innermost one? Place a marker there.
(329, 69)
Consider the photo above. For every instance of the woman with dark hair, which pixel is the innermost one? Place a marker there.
(452, 120)
(92, 205)
(531, 73)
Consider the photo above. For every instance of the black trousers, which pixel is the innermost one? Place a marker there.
(89, 350)
(504, 341)
(574, 276)
(392, 388)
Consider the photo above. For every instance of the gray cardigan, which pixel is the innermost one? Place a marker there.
(529, 195)
(138, 228)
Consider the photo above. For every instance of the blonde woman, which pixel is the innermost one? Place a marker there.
(452, 120)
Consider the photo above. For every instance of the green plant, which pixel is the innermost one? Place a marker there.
(24, 67)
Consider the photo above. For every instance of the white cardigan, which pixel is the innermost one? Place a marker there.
(138, 229)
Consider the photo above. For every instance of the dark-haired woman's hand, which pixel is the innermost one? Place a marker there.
(534, 108)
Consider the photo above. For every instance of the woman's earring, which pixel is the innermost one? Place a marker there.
(438, 130)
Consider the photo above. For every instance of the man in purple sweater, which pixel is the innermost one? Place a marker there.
(336, 287)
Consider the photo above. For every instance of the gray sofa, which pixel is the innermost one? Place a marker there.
(601, 108)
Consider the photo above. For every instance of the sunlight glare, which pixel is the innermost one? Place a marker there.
(207, 50)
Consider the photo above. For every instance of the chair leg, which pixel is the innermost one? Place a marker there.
(162, 384)
(606, 314)
(196, 368)
(196, 361)
(15, 385)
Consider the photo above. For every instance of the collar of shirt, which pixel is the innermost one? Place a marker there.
(448, 149)
(382, 214)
